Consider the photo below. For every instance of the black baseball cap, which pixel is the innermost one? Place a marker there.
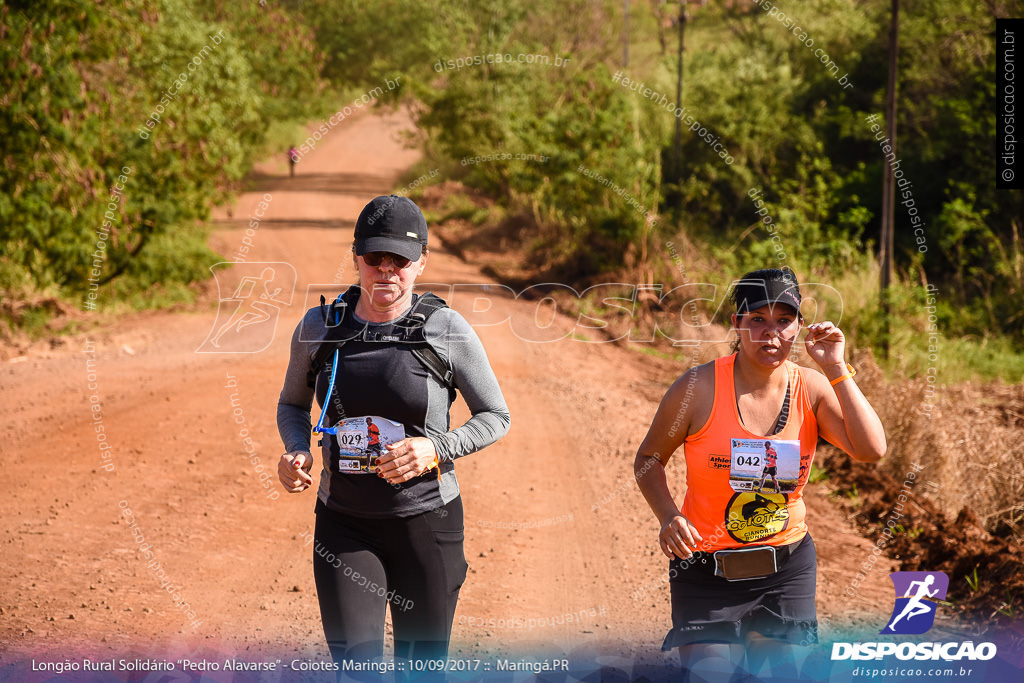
(772, 286)
(393, 224)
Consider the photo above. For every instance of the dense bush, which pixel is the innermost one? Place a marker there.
(122, 125)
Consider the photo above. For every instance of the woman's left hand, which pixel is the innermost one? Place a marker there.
(826, 344)
(406, 459)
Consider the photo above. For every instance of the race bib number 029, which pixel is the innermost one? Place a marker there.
(361, 439)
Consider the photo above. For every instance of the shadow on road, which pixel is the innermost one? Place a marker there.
(356, 183)
(290, 223)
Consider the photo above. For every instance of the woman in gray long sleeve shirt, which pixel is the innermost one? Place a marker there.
(389, 522)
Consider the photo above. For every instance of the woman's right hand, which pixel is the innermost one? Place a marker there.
(293, 471)
(678, 537)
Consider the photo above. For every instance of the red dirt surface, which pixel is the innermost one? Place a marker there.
(562, 548)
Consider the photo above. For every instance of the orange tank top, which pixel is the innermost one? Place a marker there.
(733, 496)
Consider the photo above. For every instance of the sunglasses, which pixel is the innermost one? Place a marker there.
(375, 258)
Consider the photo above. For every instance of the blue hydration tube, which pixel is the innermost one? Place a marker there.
(320, 429)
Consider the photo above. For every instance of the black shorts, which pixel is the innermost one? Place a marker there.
(710, 609)
(769, 470)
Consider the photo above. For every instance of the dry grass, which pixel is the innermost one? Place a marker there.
(969, 442)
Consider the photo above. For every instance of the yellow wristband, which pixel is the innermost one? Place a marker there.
(848, 375)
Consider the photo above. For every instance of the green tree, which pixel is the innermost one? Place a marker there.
(154, 93)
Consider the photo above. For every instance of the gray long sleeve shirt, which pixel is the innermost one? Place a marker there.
(386, 380)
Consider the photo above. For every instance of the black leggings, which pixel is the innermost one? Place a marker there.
(415, 563)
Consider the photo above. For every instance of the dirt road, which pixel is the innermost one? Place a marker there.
(147, 415)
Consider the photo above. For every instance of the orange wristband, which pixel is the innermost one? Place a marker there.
(848, 375)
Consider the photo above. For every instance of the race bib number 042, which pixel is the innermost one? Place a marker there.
(764, 465)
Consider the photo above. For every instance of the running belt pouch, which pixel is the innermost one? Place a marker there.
(746, 563)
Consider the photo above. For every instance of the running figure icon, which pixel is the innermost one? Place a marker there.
(252, 304)
(916, 605)
(918, 595)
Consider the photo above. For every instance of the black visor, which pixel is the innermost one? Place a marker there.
(751, 295)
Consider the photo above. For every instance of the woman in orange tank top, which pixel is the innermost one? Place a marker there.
(742, 565)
